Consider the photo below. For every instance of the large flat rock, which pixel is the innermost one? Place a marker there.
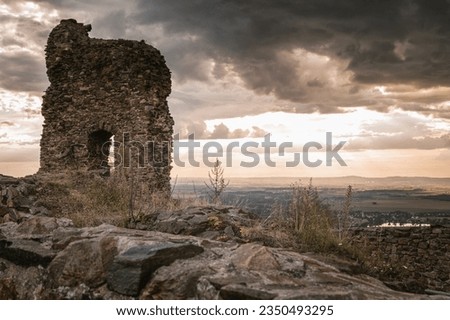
(26, 252)
(131, 269)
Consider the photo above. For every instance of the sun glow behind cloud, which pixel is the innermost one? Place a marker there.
(28, 10)
(350, 126)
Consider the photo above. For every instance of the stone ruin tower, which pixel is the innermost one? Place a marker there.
(105, 91)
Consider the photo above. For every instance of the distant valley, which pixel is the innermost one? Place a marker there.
(375, 201)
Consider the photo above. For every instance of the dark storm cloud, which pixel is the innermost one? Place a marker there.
(10, 41)
(400, 131)
(23, 31)
(443, 112)
(23, 35)
(401, 141)
(384, 42)
(22, 71)
(113, 24)
(379, 42)
(22, 42)
(188, 59)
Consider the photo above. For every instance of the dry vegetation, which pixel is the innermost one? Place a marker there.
(217, 183)
(90, 200)
(307, 224)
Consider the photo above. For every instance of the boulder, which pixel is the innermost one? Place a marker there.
(213, 222)
(83, 261)
(26, 252)
(7, 289)
(39, 226)
(241, 292)
(181, 279)
(21, 282)
(132, 268)
(254, 257)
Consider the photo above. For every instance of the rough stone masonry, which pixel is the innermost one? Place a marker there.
(106, 95)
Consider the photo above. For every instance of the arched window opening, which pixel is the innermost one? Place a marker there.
(99, 148)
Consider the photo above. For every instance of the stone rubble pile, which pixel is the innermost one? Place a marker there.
(18, 199)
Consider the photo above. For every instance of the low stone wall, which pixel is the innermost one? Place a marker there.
(420, 254)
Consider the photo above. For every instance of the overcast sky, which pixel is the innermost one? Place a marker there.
(375, 73)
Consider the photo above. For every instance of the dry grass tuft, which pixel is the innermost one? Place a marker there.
(307, 224)
(91, 200)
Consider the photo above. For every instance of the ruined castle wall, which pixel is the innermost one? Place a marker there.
(422, 253)
(101, 89)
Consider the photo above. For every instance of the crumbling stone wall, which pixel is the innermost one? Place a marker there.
(101, 89)
(422, 253)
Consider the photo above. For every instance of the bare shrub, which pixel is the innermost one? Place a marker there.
(306, 224)
(343, 216)
(216, 184)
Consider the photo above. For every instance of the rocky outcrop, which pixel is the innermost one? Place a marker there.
(18, 199)
(47, 258)
(195, 253)
(131, 270)
(215, 222)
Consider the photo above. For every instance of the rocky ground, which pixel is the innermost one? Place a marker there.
(197, 253)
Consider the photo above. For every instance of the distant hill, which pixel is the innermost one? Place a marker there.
(355, 181)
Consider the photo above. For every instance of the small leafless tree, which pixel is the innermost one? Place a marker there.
(217, 183)
(344, 215)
